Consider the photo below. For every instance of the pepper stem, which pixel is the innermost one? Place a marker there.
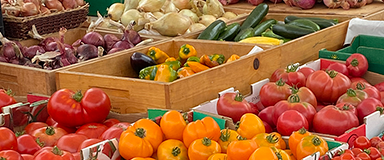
(302, 130)
(50, 131)
(77, 96)
(354, 62)
(240, 138)
(176, 151)
(239, 97)
(380, 109)
(351, 93)
(316, 141)
(225, 135)
(186, 50)
(140, 132)
(206, 141)
(57, 151)
(280, 82)
(279, 156)
(294, 98)
(271, 138)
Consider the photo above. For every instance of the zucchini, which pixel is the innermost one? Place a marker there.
(255, 16)
(244, 34)
(230, 32)
(269, 33)
(323, 23)
(263, 26)
(290, 31)
(305, 23)
(213, 31)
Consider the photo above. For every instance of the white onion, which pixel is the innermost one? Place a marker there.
(182, 4)
(196, 27)
(130, 15)
(169, 7)
(190, 14)
(213, 7)
(229, 15)
(115, 11)
(171, 24)
(130, 4)
(207, 19)
(150, 5)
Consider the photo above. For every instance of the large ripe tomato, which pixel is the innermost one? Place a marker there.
(375, 140)
(88, 142)
(309, 145)
(172, 149)
(7, 139)
(10, 155)
(250, 125)
(289, 75)
(71, 142)
(356, 151)
(233, 105)
(33, 126)
(115, 131)
(55, 154)
(339, 67)
(270, 140)
(92, 130)
(74, 109)
(206, 127)
(337, 120)
(227, 136)
(241, 149)
(110, 122)
(53, 123)
(362, 142)
(203, 148)
(27, 144)
(347, 156)
(172, 124)
(306, 71)
(305, 95)
(373, 152)
(380, 86)
(293, 103)
(367, 88)
(290, 121)
(357, 64)
(353, 97)
(363, 156)
(49, 135)
(27, 156)
(328, 86)
(347, 107)
(295, 138)
(6, 99)
(273, 92)
(368, 106)
(267, 115)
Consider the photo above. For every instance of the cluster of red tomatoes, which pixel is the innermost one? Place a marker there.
(363, 149)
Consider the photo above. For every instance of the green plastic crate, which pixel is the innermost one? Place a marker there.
(101, 6)
(372, 47)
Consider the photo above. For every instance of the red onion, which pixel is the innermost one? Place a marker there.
(255, 2)
(276, 1)
(14, 61)
(51, 47)
(360, 3)
(54, 4)
(31, 51)
(131, 35)
(227, 2)
(29, 9)
(44, 10)
(113, 50)
(93, 38)
(12, 10)
(70, 4)
(336, 3)
(110, 40)
(123, 45)
(3, 59)
(80, 2)
(87, 51)
(303, 4)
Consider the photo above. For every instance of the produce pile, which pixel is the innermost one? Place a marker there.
(168, 17)
(25, 8)
(363, 149)
(269, 32)
(159, 66)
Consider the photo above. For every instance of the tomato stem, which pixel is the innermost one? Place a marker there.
(302, 130)
(2, 158)
(176, 151)
(40, 143)
(351, 93)
(316, 141)
(240, 138)
(271, 138)
(9, 92)
(77, 96)
(367, 151)
(140, 132)
(57, 151)
(18, 134)
(294, 89)
(332, 73)
(360, 86)
(346, 107)
(294, 98)
(206, 141)
(225, 135)
(280, 82)
(239, 97)
(380, 109)
(354, 62)
(50, 131)
(292, 68)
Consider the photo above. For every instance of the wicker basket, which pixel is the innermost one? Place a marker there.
(18, 27)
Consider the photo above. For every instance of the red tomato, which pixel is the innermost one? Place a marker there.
(356, 151)
(257, 105)
(42, 149)
(289, 75)
(319, 106)
(363, 156)
(27, 144)
(268, 128)
(305, 95)
(267, 115)
(333, 120)
(273, 92)
(53, 123)
(353, 97)
(233, 105)
(347, 107)
(358, 158)
(290, 121)
(381, 150)
(306, 71)
(6, 99)
(375, 140)
(373, 152)
(55, 154)
(110, 122)
(367, 107)
(367, 88)
(27, 156)
(357, 65)
(380, 144)
(336, 158)
(339, 67)
(33, 126)
(358, 79)
(380, 86)
(7, 139)
(92, 130)
(382, 97)
(328, 86)
(293, 103)
(10, 155)
(72, 109)
(71, 142)
(362, 142)
(76, 156)
(347, 156)
(114, 131)
(88, 143)
(49, 135)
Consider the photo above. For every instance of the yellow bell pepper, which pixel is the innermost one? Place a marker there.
(186, 51)
(165, 73)
(170, 59)
(157, 55)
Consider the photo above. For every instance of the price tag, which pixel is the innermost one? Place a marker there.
(255, 49)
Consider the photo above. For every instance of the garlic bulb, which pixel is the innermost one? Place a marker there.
(115, 11)
(190, 14)
(229, 15)
(150, 5)
(213, 7)
(130, 15)
(196, 27)
(207, 19)
(169, 7)
(130, 4)
(182, 4)
(171, 24)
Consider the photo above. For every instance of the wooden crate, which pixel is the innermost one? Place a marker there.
(318, 9)
(23, 80)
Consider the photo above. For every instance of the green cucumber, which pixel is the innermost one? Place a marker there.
(260, 28)
(269, 33)
(323, 23)
(230, 32)
(213, 31)
(305, 23)
(244, 34)
(255, 16)
(290, 31)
